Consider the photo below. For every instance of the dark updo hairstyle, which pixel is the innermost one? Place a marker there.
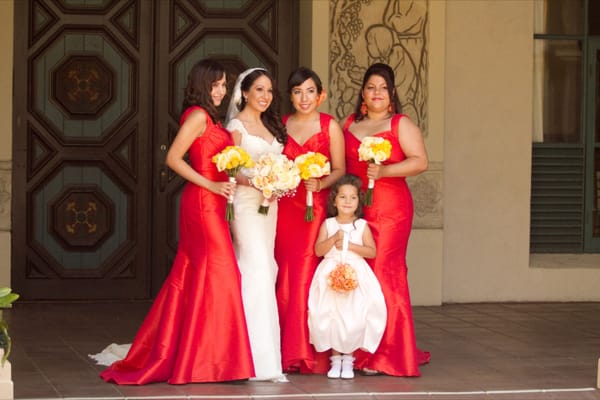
(199, 86)
(270, 118)
(386, 72)
(347, 179)
(302, 74)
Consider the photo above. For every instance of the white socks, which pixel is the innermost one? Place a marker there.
(336, 367)
(342, 366)
(347, 366)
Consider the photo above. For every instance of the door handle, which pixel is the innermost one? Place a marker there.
(163, 178)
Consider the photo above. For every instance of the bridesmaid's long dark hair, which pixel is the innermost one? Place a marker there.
(387, 73)
(199, 86)
(270, 118)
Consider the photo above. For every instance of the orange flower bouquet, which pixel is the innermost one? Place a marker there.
(342, 278)
(373, 149)
(312, 165)
(274, 175)
(231, 160)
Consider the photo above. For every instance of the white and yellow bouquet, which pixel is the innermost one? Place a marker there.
(275, 176)
(231, 160)
(376, 150)
(312, 165)
(342, 278)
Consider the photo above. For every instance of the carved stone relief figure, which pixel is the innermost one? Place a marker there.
(369, 31)
(394, 32)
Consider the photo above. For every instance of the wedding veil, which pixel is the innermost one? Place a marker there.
(236, 96)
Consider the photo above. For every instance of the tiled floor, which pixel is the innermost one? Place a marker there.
(508, 351)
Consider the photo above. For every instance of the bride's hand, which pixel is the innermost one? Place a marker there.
(270, 199)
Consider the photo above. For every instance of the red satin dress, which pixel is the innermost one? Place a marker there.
(195, 330)
(295, 256)
(390, 219)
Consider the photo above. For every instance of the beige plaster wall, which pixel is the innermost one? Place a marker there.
(6, 71)
(314, 51)
(487, 164)
(425, 250)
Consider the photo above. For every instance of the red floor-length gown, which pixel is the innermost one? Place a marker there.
(297, 262)
(195, 330)
(390, 219)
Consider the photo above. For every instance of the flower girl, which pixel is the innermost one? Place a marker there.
(346, 307)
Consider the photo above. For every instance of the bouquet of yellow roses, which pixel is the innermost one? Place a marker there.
(274, 175)
(342, 278)
(231, 160)
(312, 165)
(373, 149)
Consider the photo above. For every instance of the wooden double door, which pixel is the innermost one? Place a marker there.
(97, 98)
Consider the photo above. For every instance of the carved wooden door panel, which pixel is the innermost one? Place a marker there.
(240, 34)
(98, 90)
(82, 131)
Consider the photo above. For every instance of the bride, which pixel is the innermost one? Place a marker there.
(255, 125)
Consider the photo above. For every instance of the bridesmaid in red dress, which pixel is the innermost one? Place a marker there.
(390, 215)
(308, 130)
(195, 330)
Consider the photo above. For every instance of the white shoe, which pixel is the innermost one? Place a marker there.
(336, 367)
(347, 367)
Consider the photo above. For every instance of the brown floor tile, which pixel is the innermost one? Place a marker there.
(504, 351)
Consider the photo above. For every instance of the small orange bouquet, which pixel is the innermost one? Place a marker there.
(342, 278)
(312, 165)
(376, 150)
(274, 175)
(231, 160)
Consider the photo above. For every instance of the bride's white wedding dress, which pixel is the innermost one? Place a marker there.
(254, 244)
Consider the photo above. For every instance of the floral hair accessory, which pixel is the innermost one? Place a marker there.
(322, 97)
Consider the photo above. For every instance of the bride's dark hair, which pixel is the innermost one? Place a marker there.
(270, 117)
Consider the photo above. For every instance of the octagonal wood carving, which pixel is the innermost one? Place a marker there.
(82, 217)
(82, 86)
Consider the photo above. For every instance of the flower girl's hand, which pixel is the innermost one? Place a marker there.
(339, 239)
